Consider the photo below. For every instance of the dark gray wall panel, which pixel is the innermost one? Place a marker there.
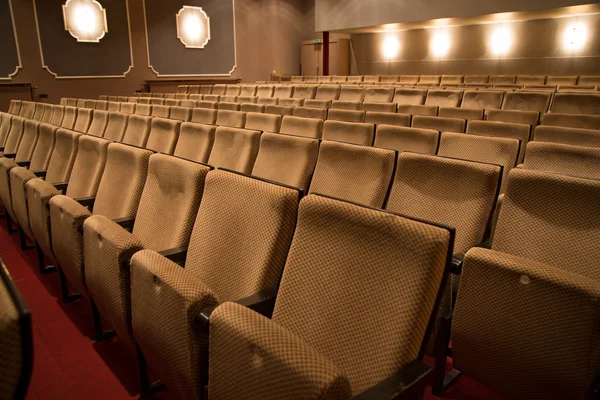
(168, 56)
(9, 55)
(64, 56)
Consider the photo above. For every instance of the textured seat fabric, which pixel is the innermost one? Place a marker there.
(286, 159)
(482, 99)
(238, 247)
(386, 118)
(357, 133)
(563, 159)
(410, 97)
(346, 105)
(138, 130)
(84, 119)
(572, 136)
(502, 79)
(327, 92)
(461, 112)
(57, 115)
(283, 92)
(346, 115)
(98, 124)
(263, 122)
(28, 141)
(547, 283)
(118, 196)
(527, 101)
(68, 121)
(141, 109)
(502, 129)
(429, 80)
(444, 98)
(233, 119)
(234, 149)
(491, 150)
(163, 135)
(183, 114)
(417, 110)
(83, 182)
(358, 174)
(13, 137)
(351, 93)
(280, 110)
(130, 108)
(439, 124)
(164, 220)
(161, 111)
(376, 94)
(252, 107)
(452, 80)
(576, 103)
(329, 353)
(195, 141)
(298, 126)
(310, 112)
(380, 107)
(6, 121)
(204, 116)
(530, 79)
(582, 121)
(305, 92)
(401, 138)
(116, 126)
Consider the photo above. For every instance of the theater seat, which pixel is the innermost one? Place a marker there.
(583, 121)
(238, 247)
(342, 357)
(572, 136)
(13, 136)
(444, 98)
(234, 149)
(252, 107)
(69, 118)
(512, 116)
(298, 126)
(461, 113)
(163, 135)
(482, 99)
(410, 97)
(161, 111)
(346, 115)
(286, 159)
(233, 119)
(116, 126)
(138, 129)
(527, 101)
(563, 159)
(576, 103)
(401, 138)
(57, 115)
(349, 132)
(346, 105)
(263, 122)
(84, 120)
(440, 124)
(183, 114)
(383, 118)
(98, 124)
(308, 112)
(195, 141)
(351, 93)
(204, 116)
(414, 110)
(359, 174)
(521, 132)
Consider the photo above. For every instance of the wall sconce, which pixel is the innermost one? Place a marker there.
(390, 47)
(440, 44)
(575, 37)
(501, 41)
(193, 27)
(85, 20)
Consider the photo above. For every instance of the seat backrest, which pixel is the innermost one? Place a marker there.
(131, 108)
(263, 122)
(183, 88)
(219, 89)
(68, 121)
(588, 80)
(309, 112)
(537, 202)
(28, 141)
(14, 107)
(233, 90)
(440, 124)
(307, 127)
(289, 160)
(444, 98)
(408, 79)
(58, 113)
(195, 89)
(141, 109)
(371, 78)
(583, 121)
(39, 111)
(576, 103)
(389, 78)
(482, 99)
(387, 118)
(527, 101)
(204, 116)
(161, 111)
(264, 91)
(102, 105)
(63, 156)
(169, 202)
(530, 79)
(501, 79)
(461, 113)
(163, 135)
(283, 92)
(356, 247)
(88, 167)
(380, 107)
(349, 132)
(27, 109)
(521, 132)
(351, 93)
(563, 159)
(48, 110)
(6, 121)
(117, 124)
(183, 114)
(98, 124)
(13, 138)
(305, 92)
(572, 136)
(456, 193)
(452, 80)
(490, 150)
(401, 138)
(43, 148)
(234, 149)
(138, 129)
(376, 94)
(410, 96)
(84, 119)
(248, 90)
(233, 119)
(252, 107)
(122, 182)
(195, 141)
(512, 116)
(202, 89)
(328, 92)
(359, 174)
(346, 115)
(242, 234)
(354, 78)
(346, 105)
(429, 79)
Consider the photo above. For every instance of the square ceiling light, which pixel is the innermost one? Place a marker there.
(85, 20)
(193, 27)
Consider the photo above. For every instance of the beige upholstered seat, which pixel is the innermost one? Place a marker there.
(161, 111)
(358, 174)
(588, 80)
(219, 89)
(327, 92)
(248, 90)
(138, 130)
(14, 107)
(202, 89)
(234, 149)
(452, 80)
(548, 283)
(527, 101)
(273, 101)
(346, 115)
(183, 88)
(279, 110)
(12, 138)
(195, 89)
(563, 159)
(390, 78)
(431, 80)
(401, 138)
(141, 109)
(130, 108)
(228, 99)
(207, 104)
(238, 247)
(27, 109)
(118, 196)
(377, 94)
(482, 99)
(252, 107)
(164, 221)
(263, 122)
(229, 106)
(286, 159)
(351, 93)
(583, 121)
(5, 124)
(502, 129)
(16, 341)
(354, 78)
(572, 136)
(461, 113)
(163, 135)
(386, 118)
(172, 102)
(408, 79)
(349, 132)
(431, 111)
(83, 182)
(27, 141)
(305, 92)
(410, 97)
(39, 111)
(283, 92)
(98, 125)
(440, 124)
(530, 79)
(371, 79)
(47, 116)
(58, 113)
(516, 117)
(195, 141)
(183, 114)
(576, 103)
(444, 98)
(233, 90)
(204, 116)
(308, 112)
(307, 127)
(492, 150)
(102, 105)
(264, 91)
(117, 124)
(501, 79)
(329, 353)
(84, 119)
(233, 119)
(346, 105)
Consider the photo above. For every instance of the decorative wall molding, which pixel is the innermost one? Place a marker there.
(19, 66)
(47, 68)
(158, 74)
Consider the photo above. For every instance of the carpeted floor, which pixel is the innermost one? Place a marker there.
(67, 362)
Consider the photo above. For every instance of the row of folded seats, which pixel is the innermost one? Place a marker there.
(117, 233)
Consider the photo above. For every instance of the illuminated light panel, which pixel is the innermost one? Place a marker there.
(501, 41)
(390, 47)
(193, 27)
(575, 37)
(85, 20)
(440, 44)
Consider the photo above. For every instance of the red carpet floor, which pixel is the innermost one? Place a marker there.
(69, 365)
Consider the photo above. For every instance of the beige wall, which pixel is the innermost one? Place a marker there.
(268, 37)
(537, 49)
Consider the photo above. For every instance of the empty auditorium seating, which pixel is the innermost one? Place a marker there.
(163, 135)
(183, 114)
(461, 113)
(402, 138)
(576, 103)
(138, 129)
(482, 99)
(204, 116)
(346, 105)
(98, 124)
(440, 124)
(357, 133)
(429, 80)
(83, 121)
(563, 159)
(410, 96)
(501, 79)
(583, 121)
(298, 126)
(359, 174)
(521, 132)
(572, 136)
(234, 149)
(351, 93)
(561, 80)
(417, 110)
(530, 80)
(323, 96)
(346, 115)
(512, 116)
(444, 98)
(382, 118)
(527, 101)
(263, 122)
(309, 112)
